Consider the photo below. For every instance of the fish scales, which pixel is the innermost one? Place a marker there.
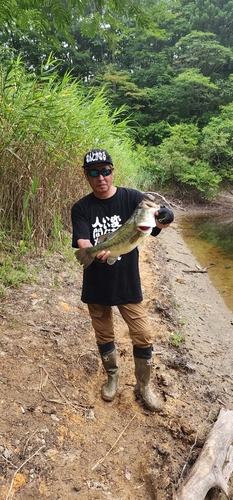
(133, 232)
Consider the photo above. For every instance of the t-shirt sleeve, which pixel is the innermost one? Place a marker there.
(81, 226)
(155, 231)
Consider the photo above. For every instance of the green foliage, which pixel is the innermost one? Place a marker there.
(217, 144)
(47, 126)
(202, 50)
(195, 95)
(14, 269)
(39, 15)
(155, 73)
(177, 162)
(177, 339)
(19, 265)
(210, 16)
(143, 68)
(190, 97)
(50, 18)
(118, 87)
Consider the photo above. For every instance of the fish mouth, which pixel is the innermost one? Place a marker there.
(144, 228)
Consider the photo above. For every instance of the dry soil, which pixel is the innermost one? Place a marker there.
(58, 439)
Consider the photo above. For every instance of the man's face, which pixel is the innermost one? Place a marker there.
(100, 178)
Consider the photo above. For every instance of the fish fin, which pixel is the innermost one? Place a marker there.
(111, 260)
(105, 237)
(84, 257)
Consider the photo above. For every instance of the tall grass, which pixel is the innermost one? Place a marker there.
(46, 127)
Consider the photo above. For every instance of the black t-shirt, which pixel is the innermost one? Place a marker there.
(92, 217)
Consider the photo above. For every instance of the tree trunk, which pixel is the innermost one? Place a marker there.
(214, 466)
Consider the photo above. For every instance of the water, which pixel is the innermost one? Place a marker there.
(210, 239)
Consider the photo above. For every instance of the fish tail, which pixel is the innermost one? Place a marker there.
(84, 257)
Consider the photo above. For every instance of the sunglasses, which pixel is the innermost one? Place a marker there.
(95, 173)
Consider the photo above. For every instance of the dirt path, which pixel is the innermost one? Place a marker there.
(58, 439)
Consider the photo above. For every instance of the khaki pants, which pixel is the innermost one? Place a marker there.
(133, 314)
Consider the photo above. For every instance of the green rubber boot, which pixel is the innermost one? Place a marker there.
(142, 388)
(109, 389)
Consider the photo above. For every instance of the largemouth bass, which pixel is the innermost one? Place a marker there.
(133, 232)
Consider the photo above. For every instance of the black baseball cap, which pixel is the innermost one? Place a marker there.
(97, 156)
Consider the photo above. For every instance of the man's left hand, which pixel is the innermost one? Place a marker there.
(164, 216)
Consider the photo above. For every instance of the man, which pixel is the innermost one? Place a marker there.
(104, 210)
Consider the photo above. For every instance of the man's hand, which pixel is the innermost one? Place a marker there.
(164, 216)
(102, 256)
(84, 243)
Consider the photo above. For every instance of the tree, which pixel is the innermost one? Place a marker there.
(210, 16)
(41, 15)
(204, 52)
(47, 16)
(217, 143)
(190, 97)
(176, 162)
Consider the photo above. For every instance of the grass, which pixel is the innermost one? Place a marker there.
(14, 270)
(177, 339)
(47, 126)
(19, 264)
(182, 321)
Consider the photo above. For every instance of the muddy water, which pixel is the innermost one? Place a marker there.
(210, 239)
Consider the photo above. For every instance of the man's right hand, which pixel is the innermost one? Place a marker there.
(103, 255)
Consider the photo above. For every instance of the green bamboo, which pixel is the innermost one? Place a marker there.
(47, 126)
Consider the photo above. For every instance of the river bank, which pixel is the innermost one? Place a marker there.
(207, 321)
(58, 438)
